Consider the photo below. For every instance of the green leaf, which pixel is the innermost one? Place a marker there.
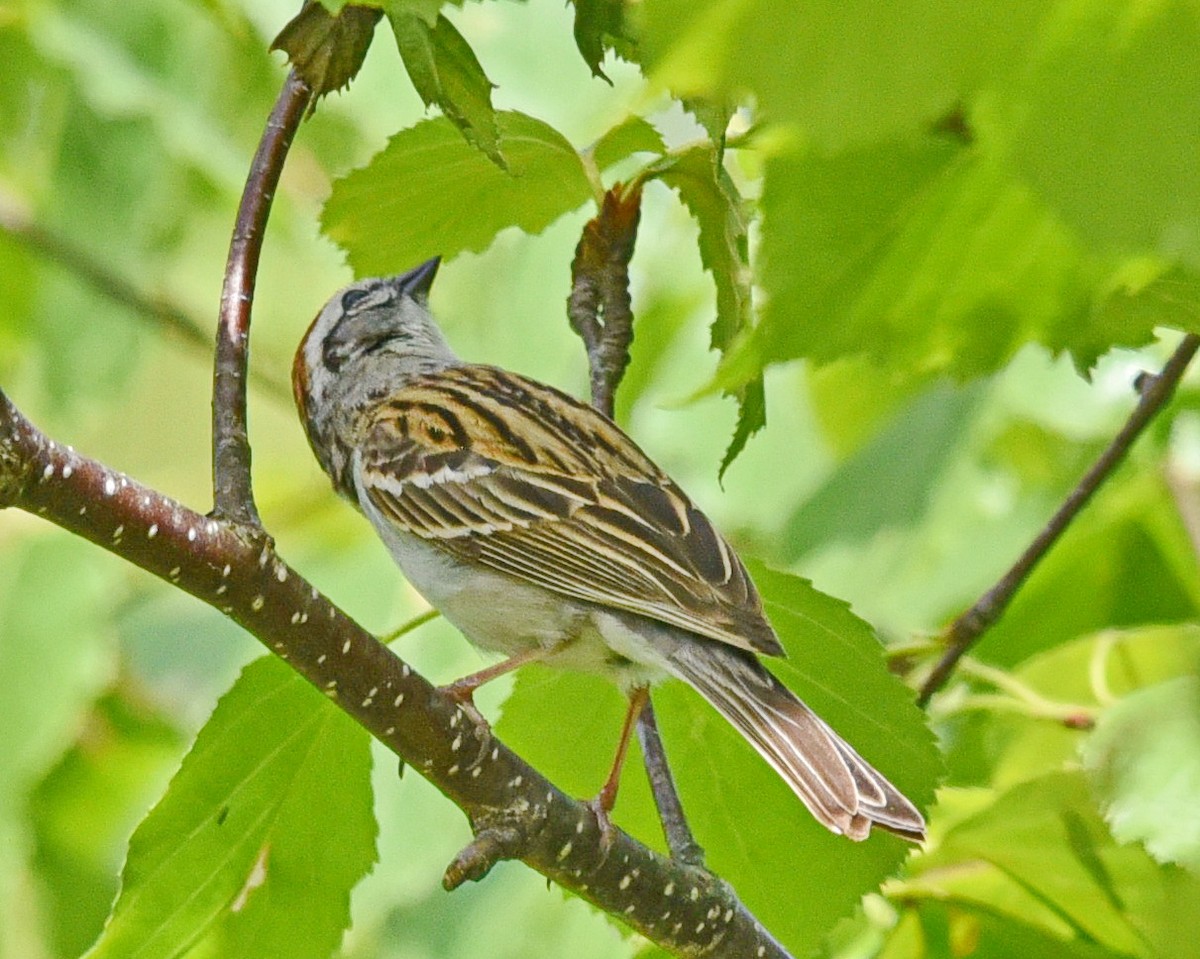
(446, 74)
(853, 400)
(453, 198)
(427, 10)
(261, 835)
(1144, 761)
(846, 71)
(755, 832)
(594, 21)
(920, 256)
(699, 176)
(328, 50)
(713, 115)
(57, 653)
(1104, 109)
(706, 189)
(990, 936)
(752, 417)
(1142, 296)
(1047, 837)
(1085, 673)
(1117, 567)
(632, 135)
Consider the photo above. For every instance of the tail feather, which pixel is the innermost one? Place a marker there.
(840, 788)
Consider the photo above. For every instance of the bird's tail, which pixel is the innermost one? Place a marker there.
(841, 789)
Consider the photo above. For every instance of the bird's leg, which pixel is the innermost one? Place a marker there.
(602, 805)
(462, 691)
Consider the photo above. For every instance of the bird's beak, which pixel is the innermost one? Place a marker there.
(417, 281)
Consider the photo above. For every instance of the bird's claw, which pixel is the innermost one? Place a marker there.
(463, 695)
(608, 831)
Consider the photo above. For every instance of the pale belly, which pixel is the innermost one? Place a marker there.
(499, 613)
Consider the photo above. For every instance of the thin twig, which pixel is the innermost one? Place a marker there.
(1154, 393)
(84, 266)
(407, 627)
(233, 495)
(678, 833)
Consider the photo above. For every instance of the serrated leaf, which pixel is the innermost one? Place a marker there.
(326, 49)
(594, 21)
(429, 193)
(752, 417)
(711, 196)
(632, 135)
(922, 258)
(713, 115)
(706, 189)
(259, 838)
(1142, 296)
(755, 832)
(446, 74)
(1144, 762)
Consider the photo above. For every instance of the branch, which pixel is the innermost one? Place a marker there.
(680, 839)
(229, 561)
(599, 305)
(233, 496)
(1154, 392)
(234, 568)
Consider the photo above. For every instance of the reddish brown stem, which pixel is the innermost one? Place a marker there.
(233, 493)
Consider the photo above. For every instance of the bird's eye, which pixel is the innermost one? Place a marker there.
(352, 298)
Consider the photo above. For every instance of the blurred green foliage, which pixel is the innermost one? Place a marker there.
(936, 248)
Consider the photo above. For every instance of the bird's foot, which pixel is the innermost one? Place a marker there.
(602, 810)
(462, 693)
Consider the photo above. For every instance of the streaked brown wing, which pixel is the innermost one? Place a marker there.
(513, 475)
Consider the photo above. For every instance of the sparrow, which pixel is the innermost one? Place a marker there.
(541, 531)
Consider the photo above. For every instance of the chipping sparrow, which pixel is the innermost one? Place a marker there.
(542, 531)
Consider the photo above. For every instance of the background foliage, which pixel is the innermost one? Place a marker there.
(972, 228)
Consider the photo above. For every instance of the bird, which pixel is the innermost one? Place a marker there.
(543, 532)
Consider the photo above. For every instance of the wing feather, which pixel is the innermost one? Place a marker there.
(535, 485)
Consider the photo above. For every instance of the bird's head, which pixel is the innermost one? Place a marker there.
(369, 338)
